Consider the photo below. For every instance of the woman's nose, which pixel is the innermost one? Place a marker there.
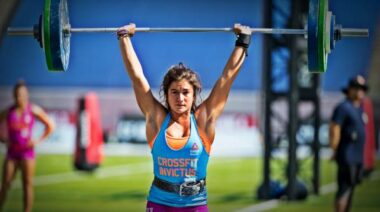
(181, 97)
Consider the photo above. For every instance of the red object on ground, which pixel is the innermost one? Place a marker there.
(369, 146)
(89, 140)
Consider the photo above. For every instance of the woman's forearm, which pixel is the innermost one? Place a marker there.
(234, 63)
(131, 61)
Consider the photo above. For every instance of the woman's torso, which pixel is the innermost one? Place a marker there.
(20, 125)
(178, 165)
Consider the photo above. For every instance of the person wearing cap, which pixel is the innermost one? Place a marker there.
(347, 137)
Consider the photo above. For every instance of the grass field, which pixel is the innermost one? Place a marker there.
(122, 183)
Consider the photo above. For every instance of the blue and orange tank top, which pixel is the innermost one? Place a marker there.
(179, 165)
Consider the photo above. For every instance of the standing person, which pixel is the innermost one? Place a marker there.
(347, 137)
(20, 120)
(180, 133)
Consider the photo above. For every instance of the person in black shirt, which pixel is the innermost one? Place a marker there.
(347, 137)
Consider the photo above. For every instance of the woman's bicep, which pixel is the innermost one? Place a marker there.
(135, 72)
(218, 97)
(145, 99)
(216, 101)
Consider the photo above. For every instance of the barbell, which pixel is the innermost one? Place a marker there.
(53, 33)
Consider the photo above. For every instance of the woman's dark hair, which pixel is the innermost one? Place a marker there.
(177, 73)
(19, 84)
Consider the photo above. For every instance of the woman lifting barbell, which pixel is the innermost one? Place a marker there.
(180, 132)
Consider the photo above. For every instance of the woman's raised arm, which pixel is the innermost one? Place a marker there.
(213, 106)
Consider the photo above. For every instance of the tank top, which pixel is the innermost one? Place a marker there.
(187, 164)
(19, 129)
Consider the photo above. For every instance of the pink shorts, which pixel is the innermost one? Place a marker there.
(24, 154)
(154, 207)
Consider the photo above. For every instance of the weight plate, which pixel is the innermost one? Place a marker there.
(57, 43)
(321, 36)
(64, 36)
(328, 28)
(332, 30)
(312, 26)
(46, 35)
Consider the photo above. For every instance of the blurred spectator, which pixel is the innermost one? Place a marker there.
(347, 137)
(20, 119)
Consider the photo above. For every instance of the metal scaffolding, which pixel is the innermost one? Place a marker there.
(286, 79)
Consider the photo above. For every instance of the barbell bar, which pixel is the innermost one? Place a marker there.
(54, 30)
(345, 32)
(29, 31)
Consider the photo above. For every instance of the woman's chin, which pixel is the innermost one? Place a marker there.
(181, 110)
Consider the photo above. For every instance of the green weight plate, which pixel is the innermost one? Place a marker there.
(57, 48)
(321, 36)
(328, 28)
(46, 34)
(312, 30)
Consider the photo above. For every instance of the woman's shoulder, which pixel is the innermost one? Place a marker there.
(200, 112)
(36, 109)
(160, 115)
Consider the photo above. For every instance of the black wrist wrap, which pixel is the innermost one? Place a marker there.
(243, 40)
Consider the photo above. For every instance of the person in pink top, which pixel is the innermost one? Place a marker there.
(20, 119)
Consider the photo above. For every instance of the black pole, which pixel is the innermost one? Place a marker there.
(316, 142)
(292, 130)
(267, 95)
(293, 97)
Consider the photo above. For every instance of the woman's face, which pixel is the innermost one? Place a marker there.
(22, 96)
(180, 96)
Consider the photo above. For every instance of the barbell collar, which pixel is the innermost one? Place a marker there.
(354, 32)
(20, 31)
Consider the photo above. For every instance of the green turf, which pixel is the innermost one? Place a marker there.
(232, 185)
(366, 198)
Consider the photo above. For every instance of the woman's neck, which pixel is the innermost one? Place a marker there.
(21, 107)
(180, 118)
